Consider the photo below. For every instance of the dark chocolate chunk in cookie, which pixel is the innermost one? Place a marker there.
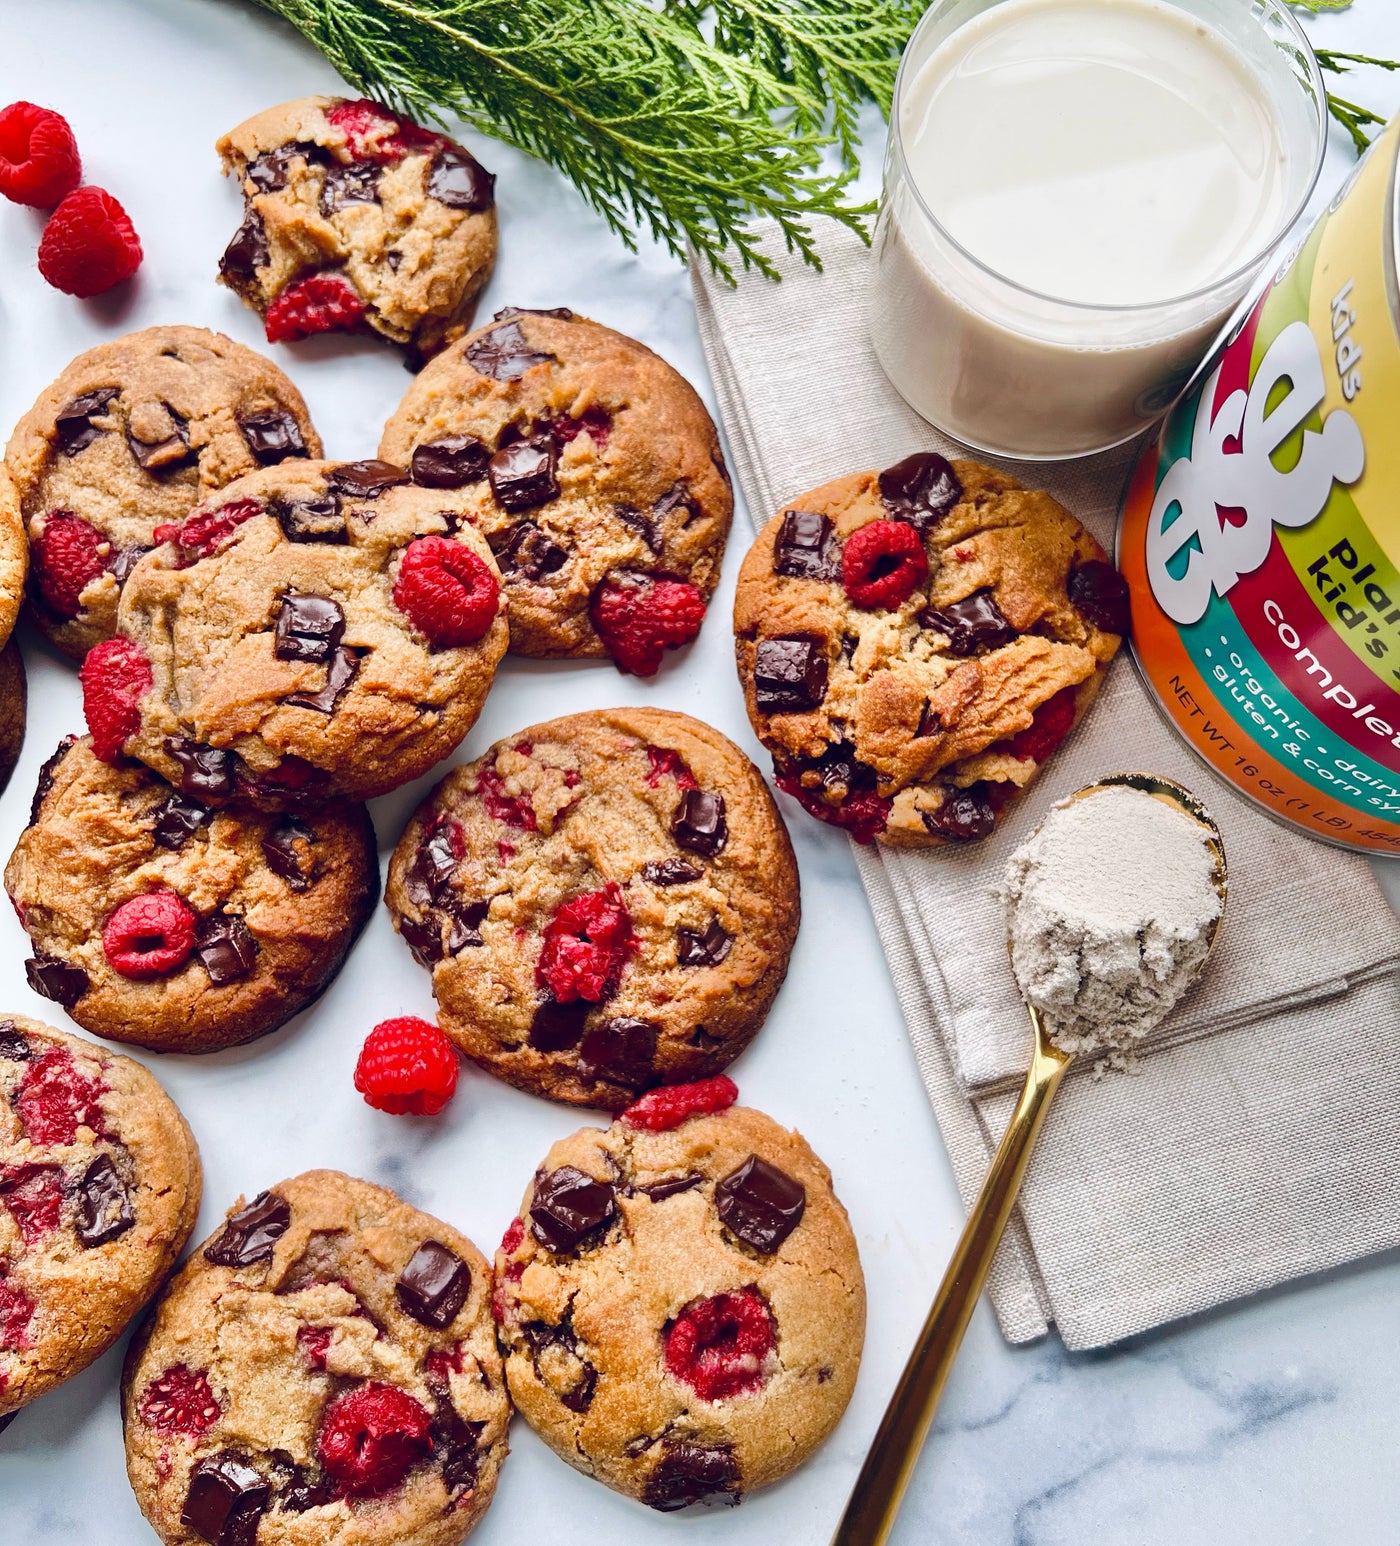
(308, 628)
(974, 624)
(365, 479)
(670, 872)
(458, 180)
(251, 1233)
(1100, 595)
(698, 822)
(204, 770)
(789, 675)
(568, 1206)
(433, 1287)
(104, 1204)
(225, 949)
(689, 1473)
(807, 547)
(62, 981)
(921, 489)
(965, 816)
(272, 436)
(522, 474)
(707, 948)
(454, 461)
(14, 1044)
(282, 855)
(556, 1027)
(314, 519)
(177, 820)
(502, 354)
(74, 425)
(227, 1498)
(622, 1050)
(529, 552)
(356, 182)
(760, 1204)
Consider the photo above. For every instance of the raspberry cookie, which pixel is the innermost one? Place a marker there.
(130, 437)
(99, 1188)
(158, 921)
(680, 1302)
(318, 630)
(13, 709)
(595, 473)
(356, 218)
(914, 644)
(14, 554)
(607, 902)
(324, 1369)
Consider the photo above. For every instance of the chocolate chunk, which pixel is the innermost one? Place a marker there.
(621, 1050)
(272, 170)
(502, 353)
(14, 1044)
(48, 768)
(428, 878)
(580, 1398)
(557, 1027)
(225, 948)
(670, 872)
(522, 473)
(432, 1288)
(456, 1442)
(61, 981)
(423, 939)
(317, 519)
(250, 1234)
(638, 1446)
(921, 489)
(688, 1473)
(365, 480)
(1100, 595)
(529, 552)
(104, 1205)
(247, 252)
(567, 1206)
(272, 436)
(308, 628)
(789, 675)
(205, 772)
(807, 547)
(964, 817)
(760, 1204)
(465, 932)
(698, 822)
(302, 1492)
(226, 1499)
(673, 1186)
(123, 560)
(561, 312)
(973, 624)
(631, 516)
(279, 849)
(454, 461)
(459, 180)
(344, 668)
(356, 183)
(177, 820)
(161, 455)
(706, 949)
(74, 425)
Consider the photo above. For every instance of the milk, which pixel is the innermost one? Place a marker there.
(1078, 192)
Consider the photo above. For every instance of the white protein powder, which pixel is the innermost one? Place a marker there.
(1110, 910)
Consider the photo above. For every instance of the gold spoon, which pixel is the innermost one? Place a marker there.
(879, 1488)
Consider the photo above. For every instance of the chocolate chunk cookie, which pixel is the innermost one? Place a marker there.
(356, 218)
(13, 709)
(130, 437)
(594, 471)
(158, 921)
(14, 554)
(99, 1188)
(323, 1369)
(682, 1311)
(913, 644)
(606, 902)
(318, 630)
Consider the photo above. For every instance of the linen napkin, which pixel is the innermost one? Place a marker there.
(1259, 1139)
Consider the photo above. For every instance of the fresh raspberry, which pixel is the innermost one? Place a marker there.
(514, 810)
(315, 1343)
(89, 244)
(863, 813)
(660, 1110)
(180, 1401)
(204, 532)
(115, 677)
(638, 617)
(34, 1196)
(447, 592)
(373, 131)
(883, 564)
(55, 1100)
(666, 763)
(718, 1346)
(370, 1437)
(407, 1066)
(67, 559)
(320, 303)
(39, 160)
(150, 935)
(586, 945)
(16, 1311)
(1053, 721)
(510, 1241)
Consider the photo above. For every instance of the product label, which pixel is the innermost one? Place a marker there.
(1260, 535)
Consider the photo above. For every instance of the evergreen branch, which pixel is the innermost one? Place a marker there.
(1352, 117)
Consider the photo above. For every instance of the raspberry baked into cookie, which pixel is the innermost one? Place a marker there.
(356, 218)
(323, 1369)
(130, 437)
(594, 472)
(607, 901)
(913, 644)
(158, 921)
(680, 1301)
(318, 630)
(99, 1188)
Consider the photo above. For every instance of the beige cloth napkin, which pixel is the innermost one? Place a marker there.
(1260, 1138)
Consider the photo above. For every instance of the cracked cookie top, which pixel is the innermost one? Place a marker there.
(323, 1368)
(99, 1188)
(681, 1304)
(914, 644)
(132, 436)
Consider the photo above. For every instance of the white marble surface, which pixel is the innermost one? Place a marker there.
(1270, 1421)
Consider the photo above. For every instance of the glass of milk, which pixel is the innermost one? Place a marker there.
(1077, 194)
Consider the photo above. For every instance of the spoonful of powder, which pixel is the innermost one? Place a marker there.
(1112, 907)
